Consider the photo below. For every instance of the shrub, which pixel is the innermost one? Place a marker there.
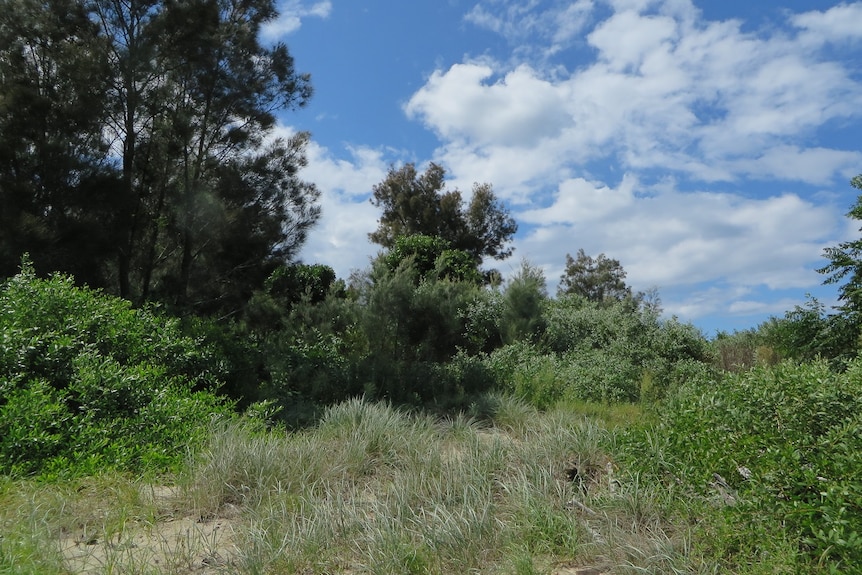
(787, 441)
(87, 382)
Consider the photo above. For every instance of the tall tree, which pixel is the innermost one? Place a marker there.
(418, 204)
(596, 279)
(157, 117)
(53, 193)
(194, 100)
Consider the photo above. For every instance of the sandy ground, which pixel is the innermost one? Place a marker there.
(174, 544)
(177, 543)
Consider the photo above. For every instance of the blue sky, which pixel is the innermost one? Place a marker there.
(706, 145)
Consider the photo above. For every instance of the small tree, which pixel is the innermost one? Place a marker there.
(598, 279)
(523, 299)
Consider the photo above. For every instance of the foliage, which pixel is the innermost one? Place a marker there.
(136, 148)
(412, 326)
(604, 352)
(392, 334)
(807, 332)
(523, 298)
(598, 279)
(522, 371)
(785, 443)
(845, 261)
(417, 204)
(315, 369)
(482, 318)
(56, 198)
(86, 382)
(239, 353)
(742, 350)
(286, 287)
(432, 255)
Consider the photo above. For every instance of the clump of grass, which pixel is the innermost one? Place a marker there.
(26, 532)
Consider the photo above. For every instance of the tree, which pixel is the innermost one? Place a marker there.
(597, 279)
(523, 300)
(192, 103)
(432, 256)
(147, 128)
(845, 261)
(54, 189)
(418, 204)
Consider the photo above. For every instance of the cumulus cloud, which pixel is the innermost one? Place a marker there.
(340, 238)
(837, 24)
(290, 15)
(665, 91)
(664, 237)
(459, 105)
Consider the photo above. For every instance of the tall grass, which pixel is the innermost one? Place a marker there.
(370, 489)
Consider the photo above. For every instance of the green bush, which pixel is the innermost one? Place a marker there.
(520, 369)
(612, 351)
(787, 441)
(316, 368)
(87, 382)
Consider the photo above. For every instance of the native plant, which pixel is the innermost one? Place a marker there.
(778, 449)
(87, 382)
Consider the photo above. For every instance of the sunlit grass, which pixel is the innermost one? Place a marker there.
(370, 489)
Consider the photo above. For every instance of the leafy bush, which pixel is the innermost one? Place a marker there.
(86, 382)
(520, 369)
(607, 351)
(315, 368)
(787, 442)
(427, 254)
(808, 332)
(482, 321)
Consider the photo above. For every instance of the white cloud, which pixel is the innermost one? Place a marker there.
(518, 109)
(667, 238)
(290, 15)
(340, 238)
(666, 90)
(811, 165)
(627, 39)
(837, 24)
(558, 24)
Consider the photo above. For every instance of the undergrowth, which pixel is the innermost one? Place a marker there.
(370, 489)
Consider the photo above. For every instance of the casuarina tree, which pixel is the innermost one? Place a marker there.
(165, 115)
(596, 279)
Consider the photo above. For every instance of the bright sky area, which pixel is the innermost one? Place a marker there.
(707, 145)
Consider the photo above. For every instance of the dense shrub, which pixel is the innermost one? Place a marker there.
(787, 441)
(87, 382)
(596, 351)
(808, 332)
(523, 371)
